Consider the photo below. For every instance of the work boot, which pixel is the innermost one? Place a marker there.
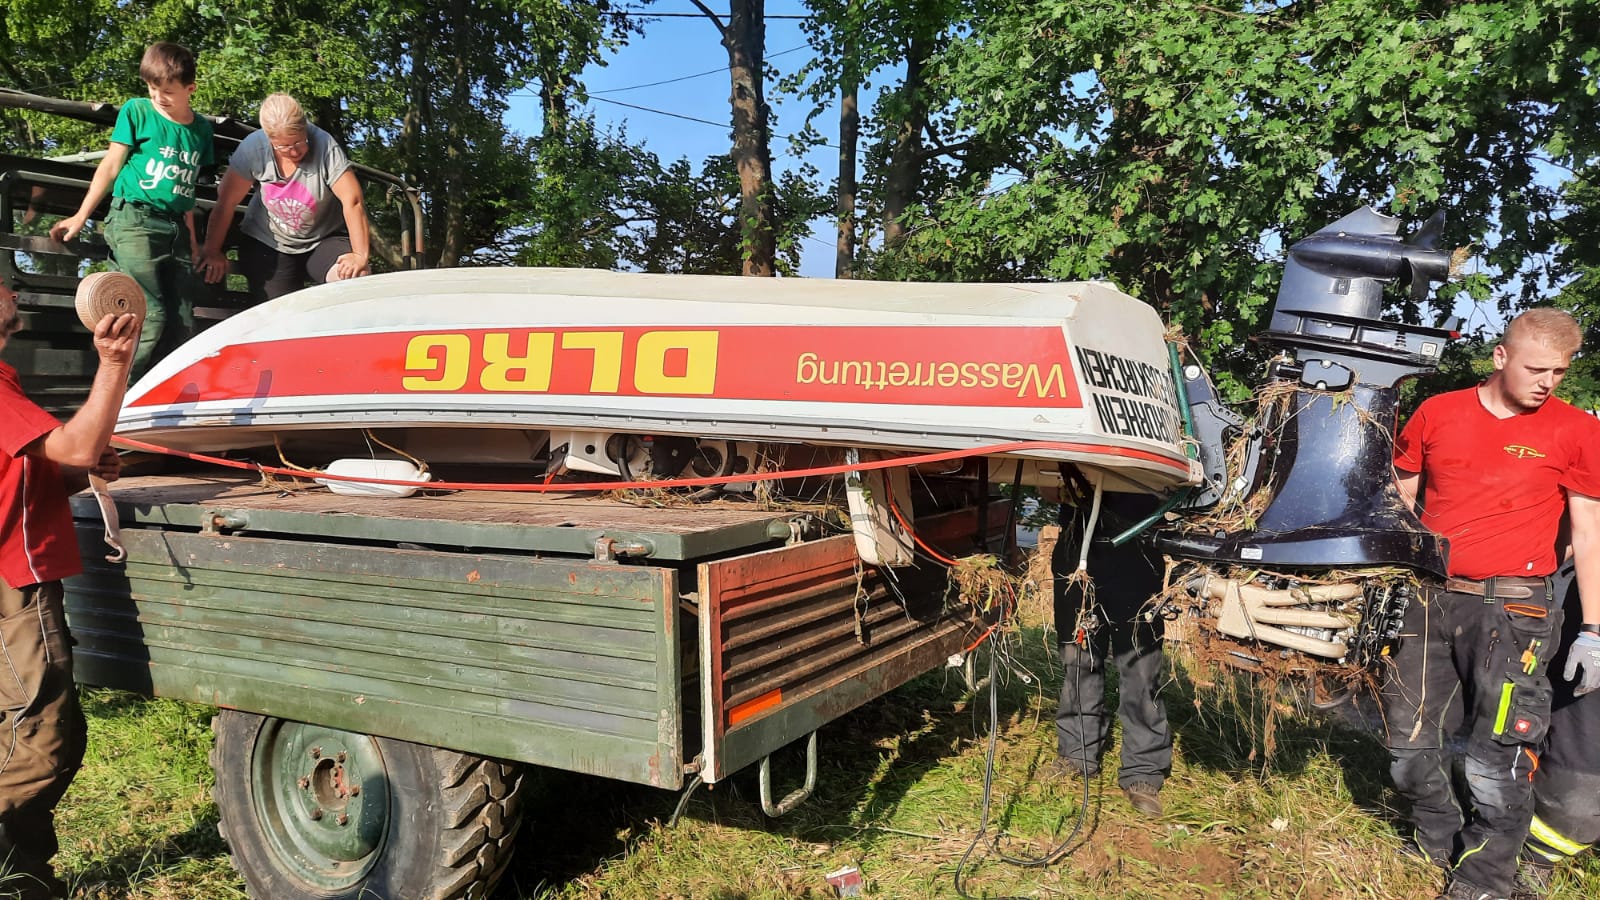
(1533, 879)
(1069, 782)
(1063, 769)
(1145, 798)
(1457, 889)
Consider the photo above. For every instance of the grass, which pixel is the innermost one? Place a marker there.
(139, 821)
(899, 795)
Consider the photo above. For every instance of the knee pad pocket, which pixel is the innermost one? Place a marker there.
(1523, 713)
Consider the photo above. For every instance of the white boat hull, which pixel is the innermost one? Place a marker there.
(1077, 371)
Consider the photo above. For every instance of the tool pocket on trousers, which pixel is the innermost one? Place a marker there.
(22, 659)
(1524, 711)
(110, 231)
(1534, 633)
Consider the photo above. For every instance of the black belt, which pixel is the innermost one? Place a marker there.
(147, 209)
(1514, 587)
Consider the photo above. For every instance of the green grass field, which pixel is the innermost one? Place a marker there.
(899, 795)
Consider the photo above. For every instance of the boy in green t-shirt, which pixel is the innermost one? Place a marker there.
(158, 148)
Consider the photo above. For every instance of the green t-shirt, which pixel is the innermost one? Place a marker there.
(165, 158)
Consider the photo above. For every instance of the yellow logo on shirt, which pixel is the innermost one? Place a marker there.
(1522, 452)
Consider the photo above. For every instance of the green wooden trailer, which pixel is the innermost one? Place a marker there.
(388, 667)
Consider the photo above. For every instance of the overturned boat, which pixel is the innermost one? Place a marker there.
(608, 373)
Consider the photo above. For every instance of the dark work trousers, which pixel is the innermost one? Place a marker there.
(1466, 662)
(42, 737)
(271, 273)
(1124, 580)
(153, 247)
(1566, 789)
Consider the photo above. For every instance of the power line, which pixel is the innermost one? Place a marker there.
(814, 239)
(645, 14)
(635, 87)
(662, 112)
(675, 115)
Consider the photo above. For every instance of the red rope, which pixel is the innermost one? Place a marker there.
(918, 459)
(981, 638)
(895, 508)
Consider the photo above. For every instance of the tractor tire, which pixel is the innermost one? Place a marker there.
(315, 813)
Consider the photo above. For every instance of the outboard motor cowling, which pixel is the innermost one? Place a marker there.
(1319, 468)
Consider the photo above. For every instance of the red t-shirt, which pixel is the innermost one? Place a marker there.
(1496, 487)
(37, 543)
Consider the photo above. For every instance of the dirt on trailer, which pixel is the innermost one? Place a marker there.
(573, 509)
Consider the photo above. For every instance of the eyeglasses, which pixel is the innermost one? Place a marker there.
(289, 148)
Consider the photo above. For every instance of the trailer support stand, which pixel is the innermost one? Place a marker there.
(797, 797)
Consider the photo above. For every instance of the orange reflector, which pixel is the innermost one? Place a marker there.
(753, 707)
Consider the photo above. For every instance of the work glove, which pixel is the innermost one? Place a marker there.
(1585, 654)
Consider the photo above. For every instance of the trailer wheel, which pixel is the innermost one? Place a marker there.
(315, 813)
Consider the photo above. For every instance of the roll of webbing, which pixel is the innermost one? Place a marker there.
(108, 293)
(99, 295)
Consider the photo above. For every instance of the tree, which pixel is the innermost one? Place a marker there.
(1577, 255)
(417, 87)
(855, 43)
(1176, 147)
(744, 36)
(601, 201)
(849, 136)
(443, 73)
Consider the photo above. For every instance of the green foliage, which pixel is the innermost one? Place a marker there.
(1176, 148)
(599, 200)
(1577, 254)
(410, 86)
(138, 821)
(1172, 148)
(422, 88)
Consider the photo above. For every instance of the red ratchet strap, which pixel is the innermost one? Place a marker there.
(865, 465)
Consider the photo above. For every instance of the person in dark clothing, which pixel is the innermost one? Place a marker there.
(1566, 789)
(1107, 624)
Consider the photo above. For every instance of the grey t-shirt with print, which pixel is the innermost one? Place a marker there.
(294, 213)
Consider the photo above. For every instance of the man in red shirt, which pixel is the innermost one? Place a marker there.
(42, 730)
(1496, 465)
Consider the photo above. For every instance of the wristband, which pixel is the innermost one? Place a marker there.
(1588, 628)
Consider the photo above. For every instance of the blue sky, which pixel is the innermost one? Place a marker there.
(674, 47)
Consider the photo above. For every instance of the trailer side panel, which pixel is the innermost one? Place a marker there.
(562, 663)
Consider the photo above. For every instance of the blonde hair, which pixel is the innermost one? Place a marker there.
(281, 113)
(1554, 328)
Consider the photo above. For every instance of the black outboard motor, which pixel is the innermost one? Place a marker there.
(1319, 467)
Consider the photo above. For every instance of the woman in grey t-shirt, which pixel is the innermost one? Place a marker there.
(306, 221)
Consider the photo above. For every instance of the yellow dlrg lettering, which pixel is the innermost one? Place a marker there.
(606, 375)
(700, 369)
(531, 370)
(447, 367)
